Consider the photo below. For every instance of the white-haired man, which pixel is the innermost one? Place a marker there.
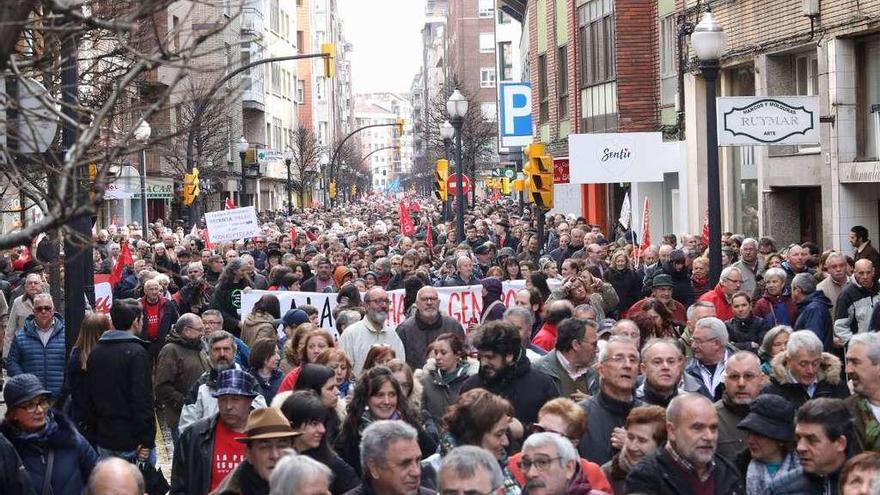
(709, 345)
(803, 371)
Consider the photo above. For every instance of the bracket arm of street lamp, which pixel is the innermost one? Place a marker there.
(352, 133)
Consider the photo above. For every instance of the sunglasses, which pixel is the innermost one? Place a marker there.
(43, 308)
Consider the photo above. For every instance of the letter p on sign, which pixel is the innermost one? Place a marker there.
(516, 114)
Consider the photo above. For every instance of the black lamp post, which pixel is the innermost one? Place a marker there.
(242, 151)
(288, 157)
(457, 107)
(447, 132)
(709, 43)
(142, 135)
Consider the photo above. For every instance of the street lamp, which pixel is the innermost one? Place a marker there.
(142, 134)
(288, 157)
(447, 132)
(709, 43)
(243, 146)
(457, 107)
(325, 161)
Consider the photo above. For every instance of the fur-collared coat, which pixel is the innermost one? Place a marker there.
(828, 381)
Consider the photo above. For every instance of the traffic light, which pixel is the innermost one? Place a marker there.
(188, 187)
(399, 125)
(540, 175)
(197, 189)
(505, 186)
(329, 51)
(441, 175)
(518, 185)
(332, 190)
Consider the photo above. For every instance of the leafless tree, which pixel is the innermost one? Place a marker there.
(131, 65)
(351, 169)
(305, 169)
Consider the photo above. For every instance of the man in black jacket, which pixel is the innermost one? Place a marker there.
(687, 464)
(14, 479)
(822, 431)
(422, 328)
(505, 370)
(119, 388)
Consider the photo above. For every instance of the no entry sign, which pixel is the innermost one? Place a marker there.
(452, 184)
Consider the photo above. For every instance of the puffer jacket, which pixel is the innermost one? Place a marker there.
(258, 325)
(73, 461)
(814, 313)
(854, 307)
(828, 381)
(28, 354)
(181, 362)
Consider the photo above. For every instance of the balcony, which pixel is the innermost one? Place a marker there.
(252, 21)
(252, 94)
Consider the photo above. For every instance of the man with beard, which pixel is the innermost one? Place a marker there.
(608, 410)
(359, 337)
(751, 266)
(506, 371)
(687, 464)
(407, 266)
(862, 248)
(863, 368)
(420, 329)
(200, 401)
(742, 384)
(322, 281)
(663, 368)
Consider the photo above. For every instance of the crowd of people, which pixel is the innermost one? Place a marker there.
(615, 368)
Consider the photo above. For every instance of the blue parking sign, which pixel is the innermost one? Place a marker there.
(515, 123)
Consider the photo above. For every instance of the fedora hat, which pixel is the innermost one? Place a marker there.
(265, 423)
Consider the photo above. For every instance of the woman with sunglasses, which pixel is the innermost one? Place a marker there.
(58, 459)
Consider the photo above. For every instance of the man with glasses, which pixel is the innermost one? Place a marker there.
(571, 362)
(803, 371)
(751, 267)
(835, 278)
(39, 347)
(419, 330)
(607, 411)
(22, 307)
(469, 470)
(710, 350)
(742, 384)
(722, 295)
(663, 370)
(551, 466)
(357, 339)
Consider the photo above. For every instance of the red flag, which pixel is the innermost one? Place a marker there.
(23, 258)
(406, 223)
(705, 235)
(229, 204)
(207, 239)
(429, 237)
(124, 259)
(293, 235)
(646, 227)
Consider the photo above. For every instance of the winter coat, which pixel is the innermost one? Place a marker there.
(681, 289)
(357, 339)
(455, 280)
(28, 354)
(438, 395)
(227, 300)
(268, 388)
(828, 381)
(311, 285)
(750, 279)
(74, 393)
(120, 392)
(167, 318)
(587, 383)
(14, 478)
(366, 489)
(744, 333)
(627, 284)
(546, 336)
(605, 414)
(527, 389)
(731, 440)
(658, 474)
(73, 460)
(258, 325)
(777, 310)
(417, 335)
(854, 309)
(181, 362)
(814, 313)
(493, 307)
(194, 297)
(191, 465)
(200, 404)
(869, 253)
(22, 307)
(716, 296)
(344, 476)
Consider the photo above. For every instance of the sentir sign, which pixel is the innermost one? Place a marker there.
(515, 122)
(767, 120)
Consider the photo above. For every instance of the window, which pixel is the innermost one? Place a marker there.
(300, 91)
(487, 42)
(276, 134)
(668, 77)
(274, 16)
(544, 104)
(229, 63)
(487, 77)
(246, 78)
(319, 87)
(175, 28)
(598, 73)
(867, 72)
(505, 60)
(562, 81)
(300, 42)
(806, 74)
(487, 8)
(489, 111)
(277, 78)
(503, 18)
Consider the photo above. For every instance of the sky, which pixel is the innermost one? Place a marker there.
(386, 36)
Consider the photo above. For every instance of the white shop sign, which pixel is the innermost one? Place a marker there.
(232, 225)
(767, 120)
(621, 157)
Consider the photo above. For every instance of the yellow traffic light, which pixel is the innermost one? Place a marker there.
(332, 190)
(399, 125)
(329, 51)
(539, 168)
(197, 189)
(518, 185)
(505, 186)
(188, 189)
(441, 175)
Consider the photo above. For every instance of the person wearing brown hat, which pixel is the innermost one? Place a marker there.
(661, 289)
(775, 465)
(267, 435)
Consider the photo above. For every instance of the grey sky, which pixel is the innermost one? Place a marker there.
(386, 35)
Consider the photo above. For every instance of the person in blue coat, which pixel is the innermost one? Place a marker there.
(39, 346)
(814, 309)
(57, 458)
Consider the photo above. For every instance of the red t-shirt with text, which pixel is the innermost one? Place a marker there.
(227, 454)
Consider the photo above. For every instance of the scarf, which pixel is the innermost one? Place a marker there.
(872, 427)
(251, 482)
(449, 377)
(787, 479)
(738, 410)
(40, 436)
(367, 418)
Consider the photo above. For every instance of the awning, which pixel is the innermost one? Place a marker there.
(514, 8)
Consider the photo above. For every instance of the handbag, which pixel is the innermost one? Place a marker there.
(154, 481)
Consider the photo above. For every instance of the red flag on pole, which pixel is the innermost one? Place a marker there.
(207, 239)
(293, 235)
(646, 227)
(229, 204)
(705, 235)
(124, 259)
(429, 237)
(406, 223)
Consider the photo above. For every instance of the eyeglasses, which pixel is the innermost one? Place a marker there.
(540, 463)
(31, 407)
(536, 428)
(697, 341)
(737, 282)
(43, 308)
(620, 358)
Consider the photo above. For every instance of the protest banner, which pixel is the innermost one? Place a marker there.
(232, 225)
(462, 303)
(103, 293)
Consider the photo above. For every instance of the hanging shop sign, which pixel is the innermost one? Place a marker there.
(604, 158)
(767, 120)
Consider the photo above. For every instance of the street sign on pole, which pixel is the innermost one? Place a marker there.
(452, 184)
